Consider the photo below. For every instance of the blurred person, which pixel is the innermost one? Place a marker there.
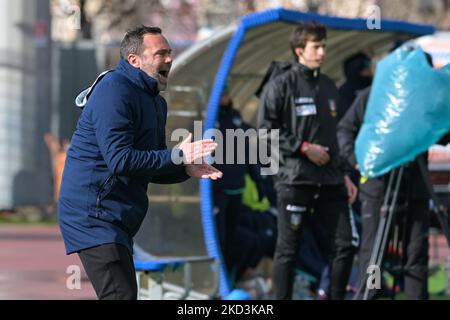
(358, 76)
(235, 240)
(58, 153)
(117, 149)
(302, 104)
(412, 206)
(413, 194)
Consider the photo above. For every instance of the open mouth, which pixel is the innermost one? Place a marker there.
(164, 73)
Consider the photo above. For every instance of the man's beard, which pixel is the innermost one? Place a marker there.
(162, 86)
(162, 83)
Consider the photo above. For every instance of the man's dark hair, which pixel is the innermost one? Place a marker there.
(310, 31)
(134, 38)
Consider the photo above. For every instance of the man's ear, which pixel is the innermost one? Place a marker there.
(298, 52)
(134, 60)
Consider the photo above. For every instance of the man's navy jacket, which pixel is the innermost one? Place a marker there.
(118, 148)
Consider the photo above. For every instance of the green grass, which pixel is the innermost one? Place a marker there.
(19, 219)
(437, 280)
(437, 284)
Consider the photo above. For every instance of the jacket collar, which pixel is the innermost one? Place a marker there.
(138, 77)
(309, 74)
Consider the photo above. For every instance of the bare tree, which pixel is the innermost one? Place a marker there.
(107, 20)
(419, 11)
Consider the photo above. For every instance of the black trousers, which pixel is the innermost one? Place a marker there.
(328, 207)
(414, 222)
(110, 269)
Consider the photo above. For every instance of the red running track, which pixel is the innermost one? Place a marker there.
(33, 265)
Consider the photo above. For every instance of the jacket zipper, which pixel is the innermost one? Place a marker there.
(102, 187)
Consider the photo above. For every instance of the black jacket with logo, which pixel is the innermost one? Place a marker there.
(302, 104)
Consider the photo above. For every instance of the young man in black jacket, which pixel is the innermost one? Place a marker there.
(302, 104)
